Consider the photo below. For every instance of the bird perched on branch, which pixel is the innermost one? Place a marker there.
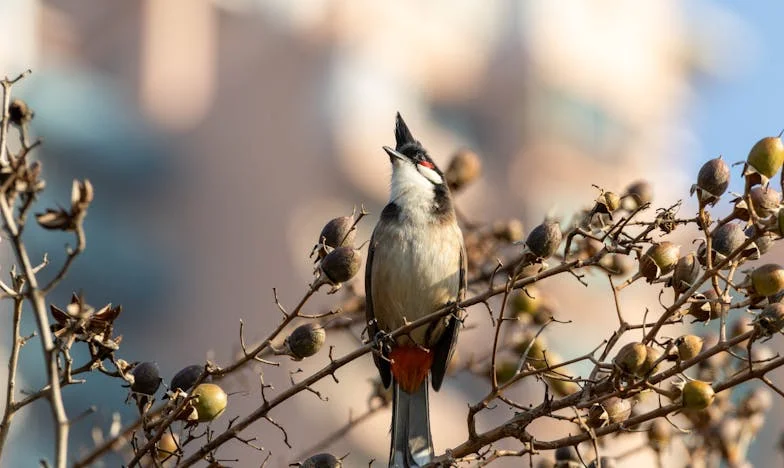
(416, 265)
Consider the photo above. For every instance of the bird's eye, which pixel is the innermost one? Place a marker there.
(427, 164)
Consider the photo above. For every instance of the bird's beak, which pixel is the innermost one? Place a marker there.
(395, 154)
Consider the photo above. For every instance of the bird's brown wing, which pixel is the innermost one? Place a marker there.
(445, 347)
(372, 326)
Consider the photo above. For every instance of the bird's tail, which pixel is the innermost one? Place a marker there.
(412, 444)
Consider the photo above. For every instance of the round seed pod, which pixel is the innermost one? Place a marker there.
(638, 193)
(563, 454)
(544, 240)
(707, 306)
(525, 302)
(687, 270)
(618, 409)
(336, 233)
(768, 280)
(186, 378)
(697, 395)
(210, 401)
(341, 264)
(607, 462)
(305, 341)
(464, 168)
(167, 446)
(510, 230)
(659, 260)
(712, 180)
(607, 203)
(727, 238)
(651, 356)
(322, 460)
(766, 157)
(146, 378)
(631, 357)
(689, 346)
(659, 434)
(771, 319)
(765, 200)
(760, 246)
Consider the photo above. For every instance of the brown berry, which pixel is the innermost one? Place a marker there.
(708, 306)
(167, 446)
(697, 395)
(687, 270)
(338, 232)
(659, 434)
(768, 280)
(631, 357)
(322, 460)
(689, 346)
(712, 180)
(651, 356)
(464, 168)
(771, 319)
(544, 240)
(659, 260)
(765, 200)
(618, 409)
(305, 341)
(727, 238)
(341, 264)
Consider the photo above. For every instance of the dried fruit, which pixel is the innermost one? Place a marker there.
(525, 301)
(167, 446)
(689, 346)
(727, 238)
(687, 270)
(561, 387)
(186, 378)
(305, 341)
(631, 357)
(607, 203)
(210, 401)
(651, 356)
(464, 168)
(712, 181)
(322, 460)
(765, 200)
(708, 306)
(341, 264)
(338, 232)
(618, 409)
(771, 319)
(146, 378)
(659, 434)
(761, 244)
(765, 159)
(697, 395)
(659, 260)
(768, 280)
(544, 240)
(638, 193)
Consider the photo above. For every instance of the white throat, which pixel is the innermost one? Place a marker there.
(411, 191)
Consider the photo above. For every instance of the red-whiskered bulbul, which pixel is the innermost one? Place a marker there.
(416, 265)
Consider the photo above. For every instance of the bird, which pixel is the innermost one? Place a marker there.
(416, 264)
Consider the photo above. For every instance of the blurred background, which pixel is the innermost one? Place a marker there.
(221, 134)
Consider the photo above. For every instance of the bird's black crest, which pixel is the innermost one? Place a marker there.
(403, 136)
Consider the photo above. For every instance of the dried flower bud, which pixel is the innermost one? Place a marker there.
(19, 112)
(81, 195)
(638, 193)
(689, 346)
(651, 356)
(341, 264)
(544, 240)
(525, 301)
(464, 168)
(697, 395)
(659, 260)
(765, 200)
(687, 270)
(510, 230)
(338, 232)
(659, 434)
(305, 341)
(58, 220)
(712, 181)
(727, 238)
(771, 319)
(631, 357)
(210, 401)
(708, 306)
(765, 159)
(322, 460)
(146, 378)
(768, 280)
(186, 378)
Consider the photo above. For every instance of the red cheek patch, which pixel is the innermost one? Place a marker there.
(427, 164)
